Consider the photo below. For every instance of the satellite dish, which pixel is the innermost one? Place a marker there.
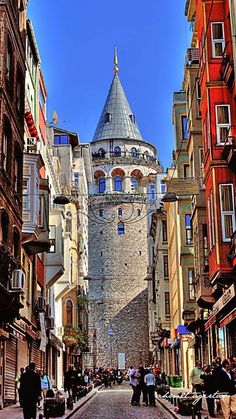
(55, 118)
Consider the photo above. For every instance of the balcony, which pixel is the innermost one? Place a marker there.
(203, 291)
(229, 151)
(227, 65)
(191, 57)
(122, 157)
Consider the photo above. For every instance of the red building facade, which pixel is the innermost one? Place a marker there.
(212, 34)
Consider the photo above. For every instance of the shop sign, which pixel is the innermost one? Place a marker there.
(55, 341)
(229, 318)
(228, 295)
(183, 186)
(31, 332)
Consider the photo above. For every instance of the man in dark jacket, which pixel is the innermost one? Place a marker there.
(30, 385)
(225, 384)
(71, 382)
(209, 389)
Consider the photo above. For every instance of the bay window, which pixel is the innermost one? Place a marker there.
(227, 209)
(217, 39)
(222, 123)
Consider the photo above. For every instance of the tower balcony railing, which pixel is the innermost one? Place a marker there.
(124, 155)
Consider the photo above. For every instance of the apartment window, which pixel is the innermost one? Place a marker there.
(4, 227)
(184, 127)
(191, 289)
(164, 231)
(188, 230)
(120, 228)
(217, 39)
(118, 181)
(9, 66)
(201, 158)
(16, 243)
(211, 220)
(199, 97)
(7, 146)
(222, 123)
(163, 186)
(102, 185)
(227, 211)
(166, 267)
(52, 239)
(41, 210)
(19, 92)
(26, 196)
(205, 248)
(68, 222)
(167, 304)
(61, 139)
(18, 162)
(69, 313)
(186, 170)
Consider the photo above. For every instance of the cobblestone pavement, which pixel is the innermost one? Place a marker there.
(114, 403)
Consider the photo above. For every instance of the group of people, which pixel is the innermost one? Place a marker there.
(143, 381)
(218, 382)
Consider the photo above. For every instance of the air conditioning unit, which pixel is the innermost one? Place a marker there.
(17, 280)
(41, 303)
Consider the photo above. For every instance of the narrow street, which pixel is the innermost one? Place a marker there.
(115, 403)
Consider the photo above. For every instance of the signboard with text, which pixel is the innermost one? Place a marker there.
(183, 186)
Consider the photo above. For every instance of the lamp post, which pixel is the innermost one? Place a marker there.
(110, 334)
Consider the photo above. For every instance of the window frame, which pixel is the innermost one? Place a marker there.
(118, 182)
(191, 287)
(52, 238)
(188, 228)
(217, 40)
(120, 230)
(224, 213)
(26, 195)
(164, 231)
(165, 267)
(220, 125)
(184, 129)
(167, 304)
(101, 182)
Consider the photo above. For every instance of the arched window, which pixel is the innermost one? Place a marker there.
(5, 227)
(101, 152)
(134, 152)
(118, 181)
(117, 151)
(120, 228)
(9, 66)
(101, 212)
(132, 118)
(68, 222)
(134, 184)
(101, 185)
(119, 212)
(6, 146)
(138, 212)
(69, 313)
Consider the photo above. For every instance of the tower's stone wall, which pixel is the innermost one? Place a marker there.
(117, 289)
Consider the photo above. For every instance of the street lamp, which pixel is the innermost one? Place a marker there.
(170, 197)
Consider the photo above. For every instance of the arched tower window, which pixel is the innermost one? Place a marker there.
(117, 151)
(132, 118)
(69, 313)
(134, 152)
(118, 183)
(120, 212)
(134, 184)
(107, 117)
(120, 228)
(101, 185)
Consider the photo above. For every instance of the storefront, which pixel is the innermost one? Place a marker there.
(221, 326)
(54, 358)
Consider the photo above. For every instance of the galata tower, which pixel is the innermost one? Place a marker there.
(118, 254)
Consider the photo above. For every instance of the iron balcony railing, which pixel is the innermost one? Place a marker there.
(124, 154)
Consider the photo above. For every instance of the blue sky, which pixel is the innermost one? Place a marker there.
(76, 46)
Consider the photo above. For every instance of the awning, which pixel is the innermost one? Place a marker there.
(210, 322)
(183, 330)
(229, 318)
(31, 125)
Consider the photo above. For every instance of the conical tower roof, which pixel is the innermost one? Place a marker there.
(117, 120)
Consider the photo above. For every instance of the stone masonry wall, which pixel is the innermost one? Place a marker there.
(117, 289)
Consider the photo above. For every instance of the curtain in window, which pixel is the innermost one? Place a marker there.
(217, 31)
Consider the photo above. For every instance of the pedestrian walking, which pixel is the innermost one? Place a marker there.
(196, 381)
(225, 384)
(30, 391)
(70, 382)
(135, 383)
(209, 389)
(45, 384)
(143, 386)
(18, 384)
(150, 382)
